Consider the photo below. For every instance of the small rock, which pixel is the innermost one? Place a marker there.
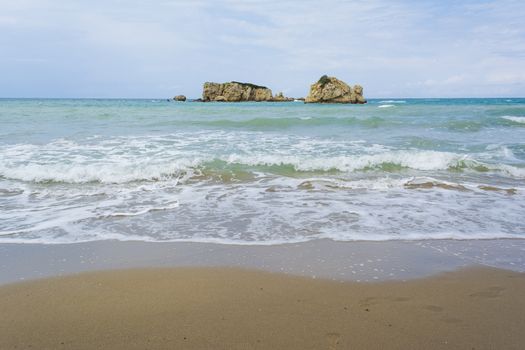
(281, 98)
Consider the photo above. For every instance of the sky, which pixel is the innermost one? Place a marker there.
(158, 49)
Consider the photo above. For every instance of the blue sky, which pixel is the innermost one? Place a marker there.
(54, 48)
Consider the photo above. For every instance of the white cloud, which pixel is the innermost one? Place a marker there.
(506, 78)
(402, 48)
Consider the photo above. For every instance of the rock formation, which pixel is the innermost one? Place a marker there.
(281, 98)
(235, 92)
(180, 98)
(332, 90)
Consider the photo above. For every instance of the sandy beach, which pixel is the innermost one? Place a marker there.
(262, 175)
(314, 295)
(221, 308)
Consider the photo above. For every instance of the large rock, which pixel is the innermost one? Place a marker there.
(262, 94)
(332, 90)
(180, 98)
(235, 92)
(211, 91)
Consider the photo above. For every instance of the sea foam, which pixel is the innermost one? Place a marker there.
(393, 101)
(258, 173)
(520, 120)
(120, 168)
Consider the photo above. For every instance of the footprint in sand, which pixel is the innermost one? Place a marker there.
(492, 292)
(333, 340)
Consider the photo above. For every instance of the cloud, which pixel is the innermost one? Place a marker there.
(134, 48)
(506, 78)
(452, 80)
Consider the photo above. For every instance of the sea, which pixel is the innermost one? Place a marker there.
(77, 170)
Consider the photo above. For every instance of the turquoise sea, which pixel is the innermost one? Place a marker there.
(261, 173)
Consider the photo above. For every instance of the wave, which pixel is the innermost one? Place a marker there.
(287, 122)
(420, 160)
(503, 152)
(238, 166)
(385, 106)
(96, 172)
(393, 161)
(142, 211)
(264, 123)
(475, 125)
(520, 120)
(7, 192)
(393, 101)
(318, 120)
(388, 183)
(370, 237)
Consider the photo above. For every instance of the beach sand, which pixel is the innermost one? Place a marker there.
(224, 308)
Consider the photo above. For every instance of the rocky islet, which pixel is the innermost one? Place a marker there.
(325, 90)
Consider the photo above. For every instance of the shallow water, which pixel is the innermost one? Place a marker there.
(261, 173)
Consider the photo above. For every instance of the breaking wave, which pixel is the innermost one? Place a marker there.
(238, 166)
(86, 170)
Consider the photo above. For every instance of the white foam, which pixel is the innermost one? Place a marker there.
(142, 211)
(375, 207)
(385, 106)
(329, 181)
(502, 151)
(509, 170)
(106, 173)
(520, 120)
(421, 160)
(129, 160)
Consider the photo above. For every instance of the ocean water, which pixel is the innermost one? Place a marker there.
(261, 173)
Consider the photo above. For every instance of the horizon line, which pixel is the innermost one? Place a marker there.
(191, 98)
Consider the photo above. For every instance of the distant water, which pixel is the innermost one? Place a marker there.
(261, 173)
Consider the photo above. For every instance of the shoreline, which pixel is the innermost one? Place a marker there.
(359, 261)
(320, 294)
(228, 308)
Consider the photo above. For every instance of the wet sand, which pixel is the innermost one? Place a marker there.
(346, 261)
(224, 308)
